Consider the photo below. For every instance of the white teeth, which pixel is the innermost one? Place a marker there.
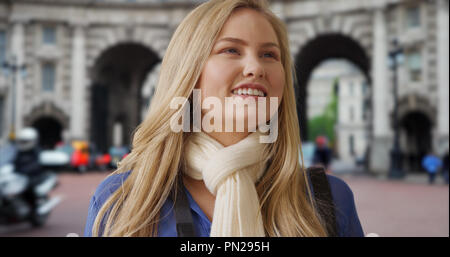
(249, 91)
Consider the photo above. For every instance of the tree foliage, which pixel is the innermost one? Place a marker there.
(323, 124)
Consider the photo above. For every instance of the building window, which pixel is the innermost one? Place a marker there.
(364, 88)
(49, 35)
(413, 17)
(415, 66)
(2, 46)
(352, 113)
(366, 107)
(351, 144)
(2, 107)
(48, 77)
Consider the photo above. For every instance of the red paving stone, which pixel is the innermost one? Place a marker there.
(395, 208)
(388, 208)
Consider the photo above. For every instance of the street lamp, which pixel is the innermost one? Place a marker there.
(14, 67)
(395, 171)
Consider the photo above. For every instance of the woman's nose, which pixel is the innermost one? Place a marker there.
(253, 68)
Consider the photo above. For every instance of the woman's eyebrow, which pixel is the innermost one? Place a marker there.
(242, 42)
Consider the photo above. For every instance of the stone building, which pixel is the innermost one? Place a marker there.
(86, 62)
(351, 88)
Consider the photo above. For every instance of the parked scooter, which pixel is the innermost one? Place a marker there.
(23, 197)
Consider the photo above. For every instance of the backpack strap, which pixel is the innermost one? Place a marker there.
(323, 198)
(183, 215)
(322, 195)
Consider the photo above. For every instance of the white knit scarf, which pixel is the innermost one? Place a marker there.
(230, 174)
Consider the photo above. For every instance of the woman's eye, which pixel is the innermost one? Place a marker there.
(231, 50)
(270, 55)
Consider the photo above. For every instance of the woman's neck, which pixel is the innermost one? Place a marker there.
(204, 199)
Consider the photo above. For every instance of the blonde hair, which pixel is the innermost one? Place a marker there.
(156, 158)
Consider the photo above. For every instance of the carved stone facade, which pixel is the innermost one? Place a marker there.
(69, 46)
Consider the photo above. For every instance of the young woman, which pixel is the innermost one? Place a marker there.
(234, 184)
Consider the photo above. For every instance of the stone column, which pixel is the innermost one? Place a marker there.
(379, 154)
(443, 79)
(78, 84)
(278, 9)
(17, 49)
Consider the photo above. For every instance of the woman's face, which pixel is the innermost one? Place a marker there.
(245, 52)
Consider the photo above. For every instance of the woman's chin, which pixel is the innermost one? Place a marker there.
(244, 123)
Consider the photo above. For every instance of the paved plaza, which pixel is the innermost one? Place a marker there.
(388, 208)
(401, 208)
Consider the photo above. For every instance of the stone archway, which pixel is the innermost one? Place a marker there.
(317, 50)
(50, 131)
(417, 117)
(416, 103)
(50, 122)
(117, 78)
(415, 138)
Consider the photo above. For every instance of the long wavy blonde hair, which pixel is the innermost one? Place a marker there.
(156, 158)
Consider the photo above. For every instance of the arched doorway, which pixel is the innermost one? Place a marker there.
(316, 51)
(50, 131)
(51, 123)
(118, 76)
(337, 109)
(416, 140)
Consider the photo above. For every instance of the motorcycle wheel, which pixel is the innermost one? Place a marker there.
(38, 220)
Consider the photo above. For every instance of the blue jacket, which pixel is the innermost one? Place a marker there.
(346, 215)
(431, 163)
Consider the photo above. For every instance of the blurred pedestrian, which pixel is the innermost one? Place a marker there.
(431, 163)
(27, 159)
(445, 167)
(322, 153)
